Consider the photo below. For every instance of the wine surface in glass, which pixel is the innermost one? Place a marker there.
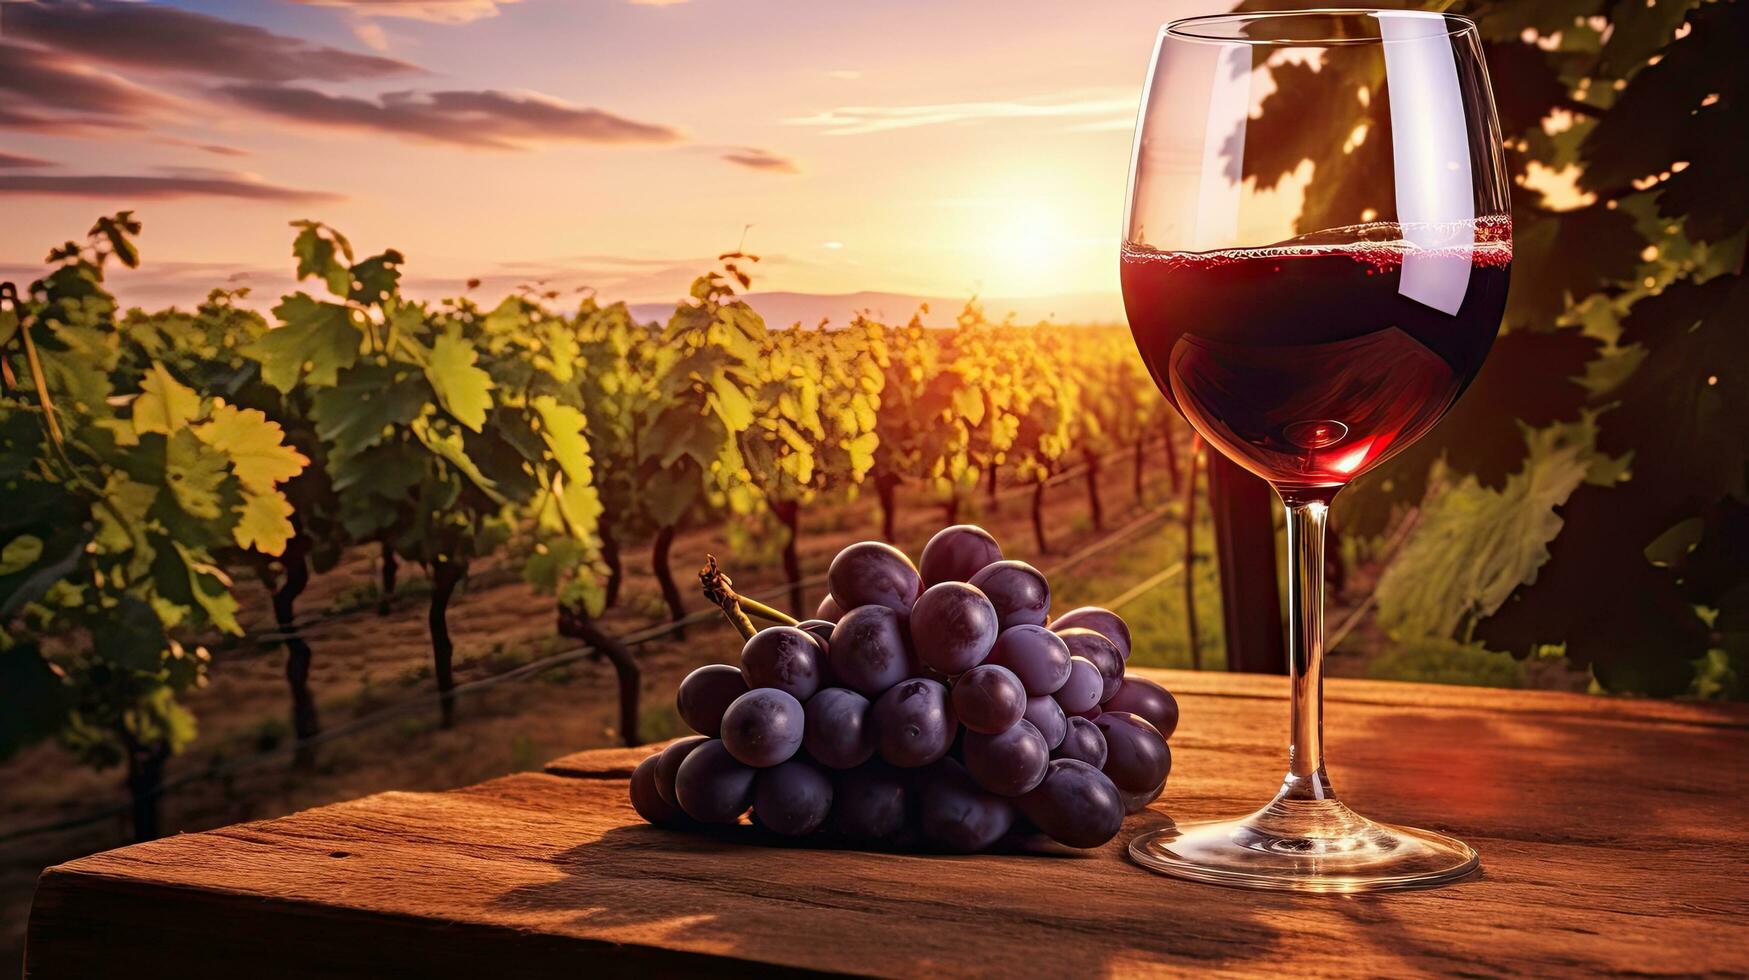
(1310, 361)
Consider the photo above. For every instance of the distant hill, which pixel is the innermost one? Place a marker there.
(783, 308)
(186, 283)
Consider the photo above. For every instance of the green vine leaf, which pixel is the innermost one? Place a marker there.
(165, 405)
(1684, 412)
(320, 252)
(316, 342)
(20, 553)
(463, 389)
(195, 476)
(255, 445)
(1474, 546)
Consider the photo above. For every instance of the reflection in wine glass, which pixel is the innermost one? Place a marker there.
(1384, 385)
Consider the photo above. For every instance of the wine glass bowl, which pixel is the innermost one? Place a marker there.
(1304, 361)
(1315, 262)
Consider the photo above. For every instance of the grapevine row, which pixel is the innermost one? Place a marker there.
(156, 456)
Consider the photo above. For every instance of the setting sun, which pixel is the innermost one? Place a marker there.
(1029, 248)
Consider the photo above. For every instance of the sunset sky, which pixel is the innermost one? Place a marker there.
(935, 148)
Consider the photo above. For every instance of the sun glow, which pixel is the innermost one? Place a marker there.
(1030, 243)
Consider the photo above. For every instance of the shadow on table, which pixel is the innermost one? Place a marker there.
(1540, 777)
(1030, 907)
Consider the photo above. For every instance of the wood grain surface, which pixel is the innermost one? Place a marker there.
(1611, 833)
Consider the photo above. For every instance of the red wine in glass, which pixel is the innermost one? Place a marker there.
(1364, 366)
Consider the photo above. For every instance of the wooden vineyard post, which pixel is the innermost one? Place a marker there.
(1243, 507)
(1192, 641)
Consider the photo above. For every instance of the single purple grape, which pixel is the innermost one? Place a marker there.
(763, 727)
(649, 803)
(1082, 689)
(1137, 802)
(871, 802)
(821, 630)
(870, 573)
(1084, 741)
(1102, 621)
(829, 610)
(712, 787)
(958, 816)
(1046, 715)
(1142, 697)
(705, 694)
(957, 553)
(792, 798)
(1137, 758)
(668, 765)
(838, 733)
(1008, 763)
(1037, 656)
(913, 724)
(989, 699)
(953, 627)
(783, 658)
(1019, 592)
(1100, 652)
(870, 650)
(1076, 805)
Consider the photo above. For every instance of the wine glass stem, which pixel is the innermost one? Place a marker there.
(1305, 606)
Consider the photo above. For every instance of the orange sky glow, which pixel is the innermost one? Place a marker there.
(926, 148)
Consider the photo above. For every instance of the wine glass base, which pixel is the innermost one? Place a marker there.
(1306, 845)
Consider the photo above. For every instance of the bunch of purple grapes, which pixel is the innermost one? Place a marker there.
(940, 706)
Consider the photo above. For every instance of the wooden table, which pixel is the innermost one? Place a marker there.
(1612, 835)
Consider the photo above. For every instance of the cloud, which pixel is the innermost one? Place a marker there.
(48, 92)
(575, 263)
(757, 159)
(610, 278)
(858, 120)
(488, 119)
(216, 149)
(160, 38)
(12, 161)
(436, 11)
(1116, 124)
(656, 3)
(371, 34)
(161, 281)
(178, 184)
(63, 125)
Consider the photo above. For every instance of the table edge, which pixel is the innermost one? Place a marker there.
(62, 890)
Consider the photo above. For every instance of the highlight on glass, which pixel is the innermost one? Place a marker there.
(1310, 336)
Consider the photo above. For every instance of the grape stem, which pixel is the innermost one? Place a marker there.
(719, 590)
(9, 296)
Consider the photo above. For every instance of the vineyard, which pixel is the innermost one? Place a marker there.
(365, 541)
(156, 459)
(285, 547)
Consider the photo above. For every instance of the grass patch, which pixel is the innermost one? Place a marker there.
(522, 754)
(1433, 660)
(1156, 618)
(659, 722)
(269, 733)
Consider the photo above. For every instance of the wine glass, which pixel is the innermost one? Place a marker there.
(1314, 266)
